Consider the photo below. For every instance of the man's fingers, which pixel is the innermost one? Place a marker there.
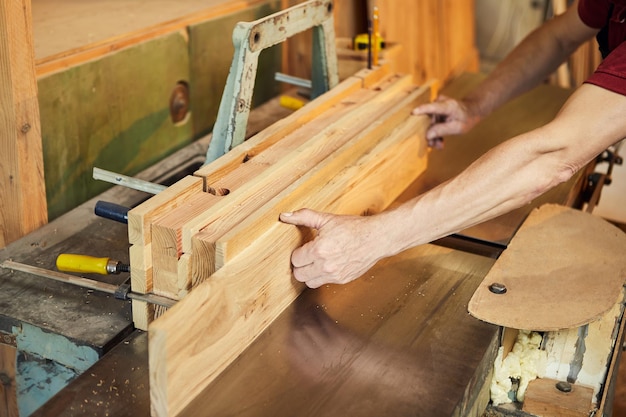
(429, 108)
(301, 257)
(304, 217)
(440, 130)
(308, 274)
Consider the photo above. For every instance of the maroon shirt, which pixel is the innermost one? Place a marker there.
(610, 17)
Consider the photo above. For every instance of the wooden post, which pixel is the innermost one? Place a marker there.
(23, 206)
(8, 391)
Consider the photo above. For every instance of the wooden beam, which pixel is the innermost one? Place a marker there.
(313, 189)
(23, 208)
(263, 140)
(140, 237)
(216, 205)
(198, 338)
(326, 140)
(8, 388)
(167, 244)
(253, 183)
(140, 218)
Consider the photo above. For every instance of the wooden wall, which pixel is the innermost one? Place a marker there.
(437, 36)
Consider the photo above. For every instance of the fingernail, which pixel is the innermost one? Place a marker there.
(287, 214)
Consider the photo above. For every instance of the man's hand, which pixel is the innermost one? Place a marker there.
(344, 249)
(448, 117)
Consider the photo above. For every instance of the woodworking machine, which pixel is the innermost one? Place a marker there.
(404, 323)
(398, 341)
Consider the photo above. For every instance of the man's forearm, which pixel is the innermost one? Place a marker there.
(513, 173)
(530, 62)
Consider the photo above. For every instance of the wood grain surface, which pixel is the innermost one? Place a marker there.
(563, 269)
(23, 206)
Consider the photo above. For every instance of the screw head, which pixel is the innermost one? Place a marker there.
(497, 288)
(179, 102)
(564, 386)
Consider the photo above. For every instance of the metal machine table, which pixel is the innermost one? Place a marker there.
(399, 341)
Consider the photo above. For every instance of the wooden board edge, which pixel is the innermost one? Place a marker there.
(77, 56)
(140, 217)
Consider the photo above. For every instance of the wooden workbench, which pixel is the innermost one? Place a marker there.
(398, 341)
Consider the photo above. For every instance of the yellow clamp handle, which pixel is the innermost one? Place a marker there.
(82, 263)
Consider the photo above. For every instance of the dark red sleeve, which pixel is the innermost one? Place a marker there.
(593, 13)
(611, 74)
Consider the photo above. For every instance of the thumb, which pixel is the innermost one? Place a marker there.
(304, 217)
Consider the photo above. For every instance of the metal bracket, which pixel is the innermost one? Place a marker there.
(249, 39)
(597, 180)
(122, 291)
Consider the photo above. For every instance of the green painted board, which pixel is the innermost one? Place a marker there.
(112, 113)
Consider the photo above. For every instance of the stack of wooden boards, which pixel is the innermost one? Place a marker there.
(351, 151)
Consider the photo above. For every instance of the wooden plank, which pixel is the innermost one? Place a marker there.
(23, 208)
(222, 316)
(243, 201)
(312, 190)
(8, 388)
(141, 217)
(262, 177)
(167, 230)
(259, 190)
(167, 243)
(544, 399)
(140, 237)
(256, 165)
(282, 128)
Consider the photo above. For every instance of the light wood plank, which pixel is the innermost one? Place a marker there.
(259, 189)
(140, 237)
(330, 137)
(255, 182)
(202, 334)
(269, 136)
(313, 190)
(544, 399)
(141, 217)
(23, 206)
(167, 243)
(167, 239)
